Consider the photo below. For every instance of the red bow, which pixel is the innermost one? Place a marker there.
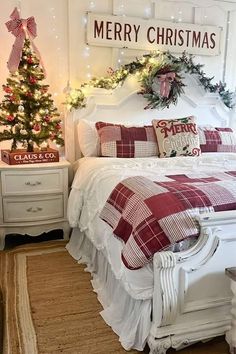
(165, 81)
(21, 29)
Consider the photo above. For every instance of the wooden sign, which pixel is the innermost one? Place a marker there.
(19, 157)
(135, 33)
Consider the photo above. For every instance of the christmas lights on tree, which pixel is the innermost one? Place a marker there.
(27, 111)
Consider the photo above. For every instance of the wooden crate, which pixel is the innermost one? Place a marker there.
(19, 157)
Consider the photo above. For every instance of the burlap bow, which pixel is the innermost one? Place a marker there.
(165, 81)
(21, 29)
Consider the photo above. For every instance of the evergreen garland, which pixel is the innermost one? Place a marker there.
(149, 68)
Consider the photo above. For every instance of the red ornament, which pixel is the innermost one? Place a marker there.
(58, 126)
(29, 94)
(47, 119)
(10, 118)
(7, 89)
(110, 71)
(44, 89)
(12, 98)
(32, 80)
(52, 136)
(37, 127)
(30, 60)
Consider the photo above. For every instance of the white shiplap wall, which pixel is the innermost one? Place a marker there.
(62, 35)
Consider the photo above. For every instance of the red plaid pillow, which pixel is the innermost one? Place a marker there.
(217, 139)
(120, 141)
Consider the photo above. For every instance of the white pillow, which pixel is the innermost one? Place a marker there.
(88, 138)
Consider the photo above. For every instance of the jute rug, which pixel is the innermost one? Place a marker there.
(50, 307)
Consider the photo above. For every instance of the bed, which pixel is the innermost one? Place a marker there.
(181, 296)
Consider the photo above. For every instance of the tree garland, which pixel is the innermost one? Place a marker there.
(160, 80)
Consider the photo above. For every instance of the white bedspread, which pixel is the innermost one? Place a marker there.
(94, 180)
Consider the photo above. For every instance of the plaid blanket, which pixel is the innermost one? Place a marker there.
(149, 216)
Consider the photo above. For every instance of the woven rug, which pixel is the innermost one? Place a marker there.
(50, 307)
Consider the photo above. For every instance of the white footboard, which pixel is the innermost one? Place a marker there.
(192, 295)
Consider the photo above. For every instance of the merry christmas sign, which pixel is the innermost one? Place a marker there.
(135, 33)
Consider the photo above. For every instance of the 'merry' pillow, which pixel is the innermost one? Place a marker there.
(177, 137)
(120, 141)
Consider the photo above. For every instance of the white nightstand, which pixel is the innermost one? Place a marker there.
(33, 199)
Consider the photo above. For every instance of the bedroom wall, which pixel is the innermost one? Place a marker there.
(84, 60)
(62, 32)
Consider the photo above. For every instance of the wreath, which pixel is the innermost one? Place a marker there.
(161, 83)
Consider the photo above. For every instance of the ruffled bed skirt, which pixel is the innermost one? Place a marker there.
(130, 319)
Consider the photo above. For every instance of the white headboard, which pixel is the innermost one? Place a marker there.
(124, 105)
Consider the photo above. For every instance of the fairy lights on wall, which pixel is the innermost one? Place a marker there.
(147, 12)
(177, 13)
(92, 5)
(86, 50)
(18, 5)
(84, 64)
(58, 45)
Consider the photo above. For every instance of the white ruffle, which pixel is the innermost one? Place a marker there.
(129, 318)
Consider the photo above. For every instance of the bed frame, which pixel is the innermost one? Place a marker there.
(192, 297)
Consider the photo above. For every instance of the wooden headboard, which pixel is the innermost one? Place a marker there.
(125, 105)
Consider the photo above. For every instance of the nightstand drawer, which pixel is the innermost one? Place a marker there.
(33, 209)
(30, 182)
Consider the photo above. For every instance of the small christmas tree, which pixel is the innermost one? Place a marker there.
(27, 111)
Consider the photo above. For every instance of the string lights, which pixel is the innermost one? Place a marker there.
(57, 40)
(147, 12)
(92, 5)
(18, 5)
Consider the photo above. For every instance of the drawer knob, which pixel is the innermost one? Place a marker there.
(33, 184)
(34, 210)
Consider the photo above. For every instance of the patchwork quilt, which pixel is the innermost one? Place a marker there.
(148, 215)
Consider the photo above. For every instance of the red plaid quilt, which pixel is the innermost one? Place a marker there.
(149, 216)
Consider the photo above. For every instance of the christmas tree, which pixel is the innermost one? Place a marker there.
(27, 111)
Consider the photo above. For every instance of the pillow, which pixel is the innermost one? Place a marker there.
(88, 138)
(217, 139)
(177, 137)
(120, 141)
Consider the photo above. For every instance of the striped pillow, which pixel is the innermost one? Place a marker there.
(217, 139)
(120, 141)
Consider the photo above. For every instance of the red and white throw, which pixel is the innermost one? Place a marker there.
(149, 216)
